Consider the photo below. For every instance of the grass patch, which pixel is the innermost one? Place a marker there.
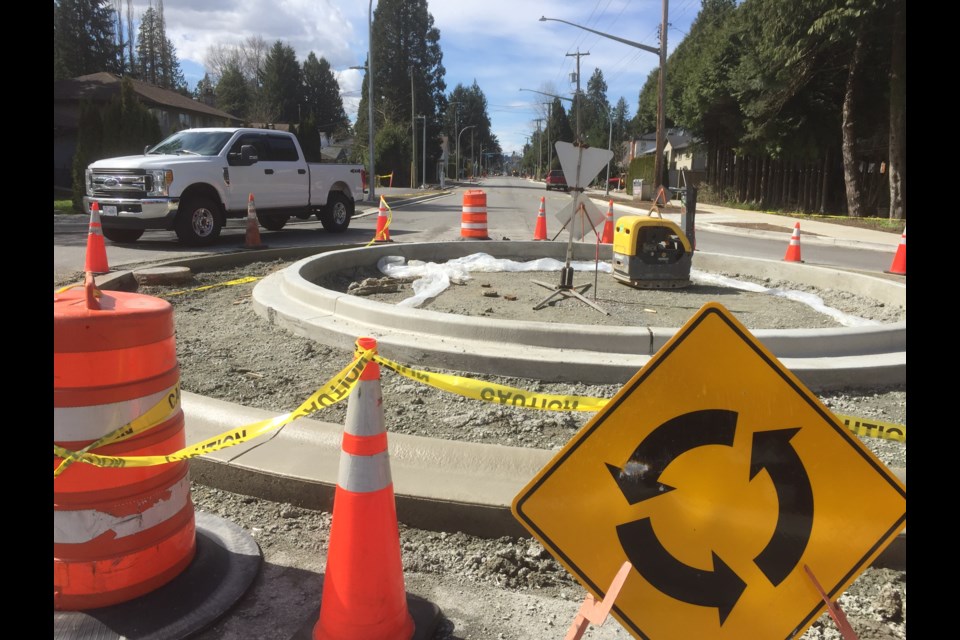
(64, 206)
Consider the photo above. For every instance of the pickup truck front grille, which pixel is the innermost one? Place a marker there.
(121, 183)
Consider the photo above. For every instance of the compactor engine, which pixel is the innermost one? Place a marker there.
(651, 253)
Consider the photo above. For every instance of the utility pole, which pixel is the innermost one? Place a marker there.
(413, 132)
(661, 88)
(577, 94)
(423, 152)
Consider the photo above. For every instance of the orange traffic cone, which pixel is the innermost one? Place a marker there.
(363, 588)
(607, 237)
(899, 265)
(253, 226)
(540, 232)
(793, 249)
(383, 224)
(96, 260)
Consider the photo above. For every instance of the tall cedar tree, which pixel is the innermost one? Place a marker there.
(321, 97)
(282, 85)
(406, 51)
(84, 40)
(157, 61)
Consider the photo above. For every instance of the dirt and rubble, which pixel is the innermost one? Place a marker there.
(501, 589)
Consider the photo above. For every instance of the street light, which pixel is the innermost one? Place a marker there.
(373, 175)
(472, 126)
(662, 52)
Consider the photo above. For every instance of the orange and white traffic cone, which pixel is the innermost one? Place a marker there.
(793, 249)
(899, 265)
(383, 224)
(96, 259)
(253, 226)
(363, 587)
(540, 232)
(607, 237)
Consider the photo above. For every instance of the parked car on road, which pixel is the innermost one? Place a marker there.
(556, 180)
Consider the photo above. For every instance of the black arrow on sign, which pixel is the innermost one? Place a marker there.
(639, 479)
(772, 451)
(720, 588)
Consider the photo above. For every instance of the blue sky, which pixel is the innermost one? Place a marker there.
(502, 44)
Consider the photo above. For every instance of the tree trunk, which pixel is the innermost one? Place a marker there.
(848, 129)
(898, 115)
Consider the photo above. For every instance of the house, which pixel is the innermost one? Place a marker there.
(686, 163)
(172, 110)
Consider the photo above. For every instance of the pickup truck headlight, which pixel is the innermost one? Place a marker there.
(88, 180)
(162, 179)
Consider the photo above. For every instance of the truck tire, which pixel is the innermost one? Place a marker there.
(272, 221)
(121, 235)
(335, 216)
(198, 221)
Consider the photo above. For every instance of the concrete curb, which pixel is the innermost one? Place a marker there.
(822, 359)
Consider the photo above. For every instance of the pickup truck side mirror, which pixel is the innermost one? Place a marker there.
(248, 154)
(145, 149)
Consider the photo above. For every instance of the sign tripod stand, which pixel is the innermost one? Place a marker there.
(566, 288)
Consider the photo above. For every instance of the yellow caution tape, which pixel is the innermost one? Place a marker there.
(229, 283)
(510, 396)
(496, 393)
(338, 388)
(155, 415)
(874, 428)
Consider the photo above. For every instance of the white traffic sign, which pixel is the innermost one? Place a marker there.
(581, 164)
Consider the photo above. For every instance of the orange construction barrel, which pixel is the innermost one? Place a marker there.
(473, 224)
(118, 532)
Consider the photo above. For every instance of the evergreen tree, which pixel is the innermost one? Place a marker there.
(233, 92)
(406, 59)
(157, 61)
(204, 91)
(321, 98)
(282, 86)
(467, 106)
(596, 112)
(84, 38)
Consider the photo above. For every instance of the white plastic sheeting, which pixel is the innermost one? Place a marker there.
(810, 299)
(433, 279)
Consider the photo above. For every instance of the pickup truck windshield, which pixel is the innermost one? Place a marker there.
(200, 143)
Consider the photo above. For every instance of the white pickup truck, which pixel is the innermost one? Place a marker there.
(194, 180)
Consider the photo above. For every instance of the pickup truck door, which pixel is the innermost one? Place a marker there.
(279, 178)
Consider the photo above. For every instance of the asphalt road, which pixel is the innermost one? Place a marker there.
(435, 216)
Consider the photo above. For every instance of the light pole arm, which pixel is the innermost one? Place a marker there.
(645, 47)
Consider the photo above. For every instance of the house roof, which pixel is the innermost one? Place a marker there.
(101, 87)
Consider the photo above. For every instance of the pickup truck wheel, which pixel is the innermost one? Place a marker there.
(335, 216)
(121, 235)
(272, 222)
(198, 221)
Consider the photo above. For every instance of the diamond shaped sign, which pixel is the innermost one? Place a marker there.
(725, 483)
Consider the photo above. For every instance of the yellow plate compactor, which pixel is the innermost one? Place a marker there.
(651, 253)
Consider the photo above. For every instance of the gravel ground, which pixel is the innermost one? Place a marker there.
(508, 588)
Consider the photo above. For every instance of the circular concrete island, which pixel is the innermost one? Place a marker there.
(490, 314)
